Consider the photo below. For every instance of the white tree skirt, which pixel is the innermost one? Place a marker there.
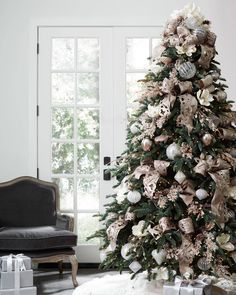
(119, 285)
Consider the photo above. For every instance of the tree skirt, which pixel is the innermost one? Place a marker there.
(119, 285)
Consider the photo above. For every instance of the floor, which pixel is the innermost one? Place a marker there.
(51, 282)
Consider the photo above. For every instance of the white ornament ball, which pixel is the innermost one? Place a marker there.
(134, 128)
(201, 194)
(135, 266)
(103, 255)
(146, 144)
(125, 249)
(159, 256)
(173, 150)
(180, 177)
(134, 196)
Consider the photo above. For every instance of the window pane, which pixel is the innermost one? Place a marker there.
(66, 192)
(88, 123)
(88, 193)
(63, 54)
(62, 158)
(133, 87)
(88, 54)
(137, 53)
(88, 158)
(63, 88)
(88, 88)
(62, 123)
(87, 225)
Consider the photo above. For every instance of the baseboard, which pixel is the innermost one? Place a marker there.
(67, 265)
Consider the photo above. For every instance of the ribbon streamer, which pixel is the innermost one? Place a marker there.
(113, 231)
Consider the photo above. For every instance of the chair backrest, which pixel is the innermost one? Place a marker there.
(27, 201)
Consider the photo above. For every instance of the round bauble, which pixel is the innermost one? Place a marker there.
(186, 225)
(207, 139)
(187, 70)
(230, 214)
(180, 177)
(201, 194)
(173, 150)
(134, 128)
(201, 34)
(159, 256)
(233, 153)
(146, 144)
(133, 197)
(215, 75)
(191, 23)
(221, 95)
(203, 264)
(124, 251)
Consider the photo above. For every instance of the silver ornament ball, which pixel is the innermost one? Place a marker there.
(191, 23)
(203, 264)
(207, 139)
(134, 196)
(134, 128)
(187, 70)
(146, 144)
(173, 150)
(201, 194)
(201, 34)
(125, 249)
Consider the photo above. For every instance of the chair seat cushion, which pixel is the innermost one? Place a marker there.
(35, 238)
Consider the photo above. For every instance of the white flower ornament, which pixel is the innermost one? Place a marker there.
(204, 97)
(138, 230)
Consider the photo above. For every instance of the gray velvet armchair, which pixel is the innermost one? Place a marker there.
(30, 223)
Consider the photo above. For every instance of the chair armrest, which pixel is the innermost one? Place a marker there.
(65, 222)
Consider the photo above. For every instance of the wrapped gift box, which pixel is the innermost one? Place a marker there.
(3, 262)
(22, 291)
(185, 289)
(7, 280)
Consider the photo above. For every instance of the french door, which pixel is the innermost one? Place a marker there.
(86, 89)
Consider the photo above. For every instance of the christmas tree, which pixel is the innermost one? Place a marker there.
(173, 211)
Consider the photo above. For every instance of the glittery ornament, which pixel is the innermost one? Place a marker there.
(125, 249)
(191, 23)
(230, 214)
(134, 196)
(186, 225)
(146, 144)
(201, 34)
(135, 266)
(159, 256)
(203, 264)
(207, 139)
(221, 95)
(173, 150)
(187, 70)
(134, 128)
(211, 38)
(180, 177)
(201, 194)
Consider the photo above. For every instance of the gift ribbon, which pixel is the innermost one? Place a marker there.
(19, 266)
(189, 284)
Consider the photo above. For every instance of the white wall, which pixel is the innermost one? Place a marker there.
(15, 19)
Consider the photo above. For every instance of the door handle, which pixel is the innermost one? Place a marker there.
(106, 174)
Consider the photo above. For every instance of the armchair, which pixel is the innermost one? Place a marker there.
(30, 223)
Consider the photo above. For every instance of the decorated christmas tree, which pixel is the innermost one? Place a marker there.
(173, 211)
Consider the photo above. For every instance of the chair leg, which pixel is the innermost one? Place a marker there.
(60, 266)
(74, 266)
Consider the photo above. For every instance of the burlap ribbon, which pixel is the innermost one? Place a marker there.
(188, 107)
(218, 169)
(113, 231)
(151, 175)
(165, 110)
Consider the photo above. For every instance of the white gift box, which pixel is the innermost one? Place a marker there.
(4, 262)
(185, 289)
(22, 291)
(7, 280)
